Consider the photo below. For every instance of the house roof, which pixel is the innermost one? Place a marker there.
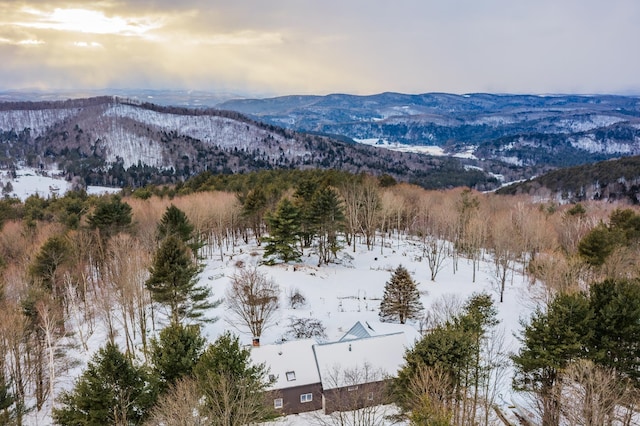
(358, 361)
(295, 357)
(362, 329)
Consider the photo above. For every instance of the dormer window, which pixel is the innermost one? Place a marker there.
(291, 376)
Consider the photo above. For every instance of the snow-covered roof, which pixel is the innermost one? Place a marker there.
(368, 359)
(362, 329)
(291, 363)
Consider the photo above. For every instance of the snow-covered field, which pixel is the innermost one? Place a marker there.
(418, 149)
(46, 183)
(341, 294)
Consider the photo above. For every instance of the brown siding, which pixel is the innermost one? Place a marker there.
(365, 395)
(291, 399)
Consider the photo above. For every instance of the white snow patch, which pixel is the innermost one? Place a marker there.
(48, 183)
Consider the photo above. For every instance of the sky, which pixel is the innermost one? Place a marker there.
(279, 47)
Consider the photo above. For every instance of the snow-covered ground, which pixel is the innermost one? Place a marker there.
(341, 294)
(418, 149)
(45, 183)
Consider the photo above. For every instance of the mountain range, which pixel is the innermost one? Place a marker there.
(536, 132)
(118, 141)
(480, 139)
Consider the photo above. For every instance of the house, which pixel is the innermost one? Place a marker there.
(355, 372)
(295, 382)
(344, 375)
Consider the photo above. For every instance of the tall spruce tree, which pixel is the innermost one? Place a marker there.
(175, 222)
(173, 282)
(111, 391)
(284, 233)
(401, 300)
(327, 219)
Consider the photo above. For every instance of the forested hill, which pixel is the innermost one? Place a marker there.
(606, 180)
(120, 142)
(541, 132)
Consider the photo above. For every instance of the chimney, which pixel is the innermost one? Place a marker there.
(256, 341)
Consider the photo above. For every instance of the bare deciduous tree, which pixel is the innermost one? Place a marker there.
(591, 394)
(181, 405)
(430, 396)
(252, 300)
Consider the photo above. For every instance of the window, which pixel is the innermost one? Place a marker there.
(352, 388)
(291, 376)
(370, 396)
(272, 377)
(277, 403)
(306, 397)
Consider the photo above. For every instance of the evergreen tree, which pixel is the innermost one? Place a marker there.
(327, 219)
(52, 255)
(111, 391)
(305, 191)
(233, 387)
(254, 204)
(284, 230)
(175, 222)
(175, 353)
(173, 281)
(447, 348)
(549, 343)
(597, 245)
(6, 398)
(615, 341)
(401, 299)
(111, 216)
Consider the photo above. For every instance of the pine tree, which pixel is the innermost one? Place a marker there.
(173, 281)
(175, 222)
(111, 216)
(616, 326)
(233, 387)
(110, 391)
(175, 353)
(6, 398)
(327, 219)
(552, 340)
(284, 230)
(401, 298)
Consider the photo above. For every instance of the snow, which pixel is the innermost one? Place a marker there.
(381, 355)
(45, 183)
(288, 357)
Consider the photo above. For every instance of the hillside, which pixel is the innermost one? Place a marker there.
(541, 132)
(120, 142)
(607, 180)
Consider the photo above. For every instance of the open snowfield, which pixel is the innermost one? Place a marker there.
(46, 183)
(341, 294)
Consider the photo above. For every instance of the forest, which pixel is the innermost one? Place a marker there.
(76, 263)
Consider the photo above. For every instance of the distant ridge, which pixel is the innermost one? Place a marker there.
(111, 140)
(607, 180)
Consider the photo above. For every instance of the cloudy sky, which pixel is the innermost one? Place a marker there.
(279, 47)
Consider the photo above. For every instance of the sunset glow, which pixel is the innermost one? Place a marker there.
(361, 47)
